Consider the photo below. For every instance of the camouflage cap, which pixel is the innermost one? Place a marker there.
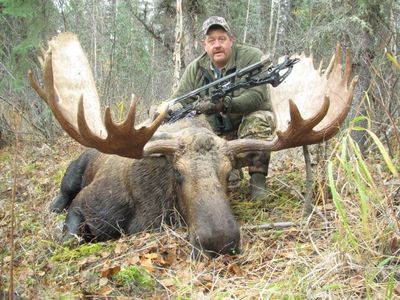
(219, 21)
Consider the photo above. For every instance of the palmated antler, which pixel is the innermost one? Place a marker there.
(309, 107)
(70, 92)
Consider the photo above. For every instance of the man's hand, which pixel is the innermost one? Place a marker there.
(206, 106)
(174, 108)
(155, 110)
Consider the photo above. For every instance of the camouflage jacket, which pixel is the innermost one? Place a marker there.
(199, 72)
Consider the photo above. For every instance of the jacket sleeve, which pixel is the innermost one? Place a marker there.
(252, 99)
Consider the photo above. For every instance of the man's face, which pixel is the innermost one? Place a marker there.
(218, 45)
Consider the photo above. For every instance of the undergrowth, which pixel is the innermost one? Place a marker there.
(351, 254)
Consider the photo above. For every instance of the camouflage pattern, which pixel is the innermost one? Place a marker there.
(257, 125)
(214, 20)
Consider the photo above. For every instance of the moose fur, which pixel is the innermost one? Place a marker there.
(130, 189)
(107, 195)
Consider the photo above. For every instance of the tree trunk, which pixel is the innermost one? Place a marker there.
(178, 44)
(247, 22)
(191, 9)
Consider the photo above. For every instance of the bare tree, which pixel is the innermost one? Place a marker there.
(178, 44)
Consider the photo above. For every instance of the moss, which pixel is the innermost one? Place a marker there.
(58, 176)
(5, 157)
(29, 168)
(64, 254)
(135, 275)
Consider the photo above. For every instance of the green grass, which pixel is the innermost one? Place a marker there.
(66, 254)
(30, 168)
(5, 157)
(135, 275)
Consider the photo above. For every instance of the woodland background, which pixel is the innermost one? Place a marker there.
(142, 47)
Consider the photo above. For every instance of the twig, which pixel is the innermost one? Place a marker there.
(22, 115)
(280, 225)
(317, 210)
(308, 206)
(277, 225)
(7, 70)
(12, 231)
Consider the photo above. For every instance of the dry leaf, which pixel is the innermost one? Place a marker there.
(151, 255)
(105, 290)
(133, 260)
(147, 264)
(103, 281)
(109, 272)
(120, 248)
(397, 289)
(235, 269)
(168, 282)
(167, 258)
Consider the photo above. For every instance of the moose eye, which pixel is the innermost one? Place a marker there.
(179, 177)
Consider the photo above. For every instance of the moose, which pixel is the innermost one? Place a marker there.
(134, 177)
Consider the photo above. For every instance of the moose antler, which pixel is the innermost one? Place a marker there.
(309, 107)
(70, 92)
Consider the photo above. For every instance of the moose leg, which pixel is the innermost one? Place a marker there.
(73, 224)
(72, 182)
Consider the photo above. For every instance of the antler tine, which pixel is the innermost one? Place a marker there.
(348, 65)
(70, 91)
(338, 54)
(320, 105)
(48, 94)
(131, 116)
(122, 139)
(293, 136)
(36, 86)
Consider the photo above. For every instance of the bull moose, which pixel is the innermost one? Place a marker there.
(133, 178)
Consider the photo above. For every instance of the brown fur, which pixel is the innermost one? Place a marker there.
(129, 195)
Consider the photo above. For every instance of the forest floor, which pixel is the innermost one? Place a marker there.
(306, 261)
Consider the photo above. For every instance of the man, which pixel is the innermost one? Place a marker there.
(243, 114)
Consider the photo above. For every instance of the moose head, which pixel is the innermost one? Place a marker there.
(193, 162)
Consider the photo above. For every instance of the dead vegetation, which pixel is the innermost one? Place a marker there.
(341, 259)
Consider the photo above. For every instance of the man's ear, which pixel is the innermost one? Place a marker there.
(233, 38)
(203, 42)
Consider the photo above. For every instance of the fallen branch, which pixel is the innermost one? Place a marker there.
(280, 225)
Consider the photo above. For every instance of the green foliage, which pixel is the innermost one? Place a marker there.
(354, 177)
(18, 8)
(29, 168)
(135, 275)
(24, 23)
(66, 254)
(5, 157)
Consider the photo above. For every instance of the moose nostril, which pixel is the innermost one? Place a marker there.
(215, 242)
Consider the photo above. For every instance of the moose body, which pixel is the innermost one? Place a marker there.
(107, 195)
(184, 165)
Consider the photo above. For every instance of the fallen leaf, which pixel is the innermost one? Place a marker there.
(168, 282)
(151, 255)
(133, 260)
(103, 281)
(235, 269)
(105, 290)
(397, 289)
(120, 248)
(110, 271)
(167, 258)
(147, 264)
